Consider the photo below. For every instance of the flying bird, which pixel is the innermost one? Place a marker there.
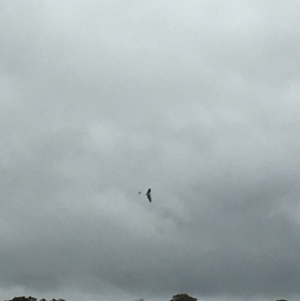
(148, 194)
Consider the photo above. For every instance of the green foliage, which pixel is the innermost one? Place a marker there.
(183, 297)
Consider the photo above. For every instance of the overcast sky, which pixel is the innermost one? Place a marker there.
(198, 100)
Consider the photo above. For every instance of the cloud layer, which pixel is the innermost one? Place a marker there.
(198, 101)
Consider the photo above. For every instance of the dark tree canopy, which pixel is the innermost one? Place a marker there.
(183, 297)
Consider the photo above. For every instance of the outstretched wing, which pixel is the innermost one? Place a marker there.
(148, 194)
(149, 197)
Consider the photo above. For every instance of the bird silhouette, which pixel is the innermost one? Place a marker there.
(148, 194)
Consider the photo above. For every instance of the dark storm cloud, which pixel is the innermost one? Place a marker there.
(198, 101)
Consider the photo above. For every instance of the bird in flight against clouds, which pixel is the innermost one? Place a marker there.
(148, 194)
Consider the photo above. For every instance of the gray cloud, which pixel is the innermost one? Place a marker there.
(198, 101)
